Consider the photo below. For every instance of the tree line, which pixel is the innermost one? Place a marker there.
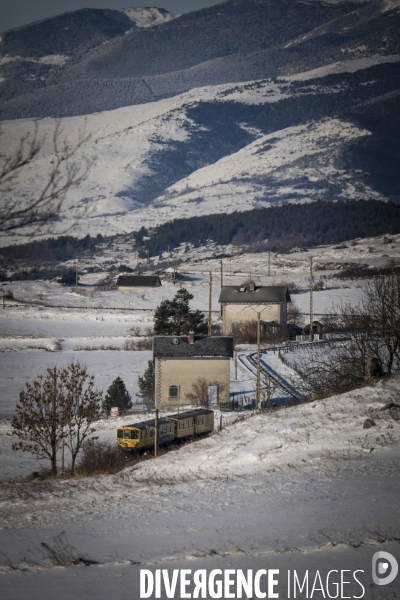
(281, 228)
(50, 250)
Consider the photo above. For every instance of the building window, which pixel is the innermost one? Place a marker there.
(174, 391)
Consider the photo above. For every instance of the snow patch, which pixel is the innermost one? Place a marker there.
(148, 17)
(349, 66)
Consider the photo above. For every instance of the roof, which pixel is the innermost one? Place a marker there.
(146, 424)
(139, 281)
(197, 412)
(167, 346)
(262, 294)
(163, 420)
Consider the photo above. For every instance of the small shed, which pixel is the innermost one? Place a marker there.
(317, 329)
(134, 282)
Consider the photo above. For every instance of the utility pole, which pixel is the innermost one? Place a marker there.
(209, 307)
(311, 298)
(258, 380)
(269, 392)
(258, 386)
(169, 256)
(156, 434)
(76, 276)
(269, 264)
(220, 310)
(174, 270)
(236, 365)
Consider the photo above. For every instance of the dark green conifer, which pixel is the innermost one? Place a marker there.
(147, 384)
(117, 396)
(174, 317)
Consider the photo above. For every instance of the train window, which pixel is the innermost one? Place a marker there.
(151, 432)
(133, 434)
(169, 428)
(187, 423)
(174, 391)
(181, 424)
(190, 422)
(120, 433)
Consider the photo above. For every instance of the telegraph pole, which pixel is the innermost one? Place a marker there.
(269, 263)
(156, 434)
(221, 275)
(258, 380)
(311, 298)
(236, 365)
(209, 307)
(76, 276)
(258, 386)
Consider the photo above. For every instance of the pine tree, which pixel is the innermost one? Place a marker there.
(117, 396)
(174, 317)
(147, 385)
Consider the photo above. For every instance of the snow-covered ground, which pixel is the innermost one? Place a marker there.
(300, 488)
(303, 487)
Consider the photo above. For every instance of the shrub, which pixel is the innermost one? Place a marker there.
(100, 456)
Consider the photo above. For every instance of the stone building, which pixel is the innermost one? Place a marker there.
(241, 303)
(182, 362)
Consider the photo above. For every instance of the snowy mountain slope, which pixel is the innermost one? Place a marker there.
(236, 40)
(232, 147)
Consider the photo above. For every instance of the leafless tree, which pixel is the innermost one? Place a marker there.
(64, 173)
(199, 393)
(372, 332)
(56, 409)
(294, 314)
(201, 390)
(83, 403)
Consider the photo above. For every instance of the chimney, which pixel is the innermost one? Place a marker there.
(252, 286)
(191, 337)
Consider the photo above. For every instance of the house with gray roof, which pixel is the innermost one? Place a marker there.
(241, 303)
(135, 282)
(192, 369)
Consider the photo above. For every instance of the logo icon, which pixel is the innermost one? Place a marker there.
(384, 568)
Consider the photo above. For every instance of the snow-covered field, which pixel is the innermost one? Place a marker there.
(303, 487)
(300, 488)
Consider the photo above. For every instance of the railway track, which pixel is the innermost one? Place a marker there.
(279, 383)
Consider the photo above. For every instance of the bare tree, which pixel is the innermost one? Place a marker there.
(64, 173)
(294, 314)
(56, 409)
(39, 419)
(201, 391)
(83, 403)
(371, 336)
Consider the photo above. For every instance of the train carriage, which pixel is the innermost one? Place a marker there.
(140, 436)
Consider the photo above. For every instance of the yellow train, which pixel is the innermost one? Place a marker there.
(174, 427)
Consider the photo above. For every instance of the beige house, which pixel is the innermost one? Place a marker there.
(242, 303)
(189, 366)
